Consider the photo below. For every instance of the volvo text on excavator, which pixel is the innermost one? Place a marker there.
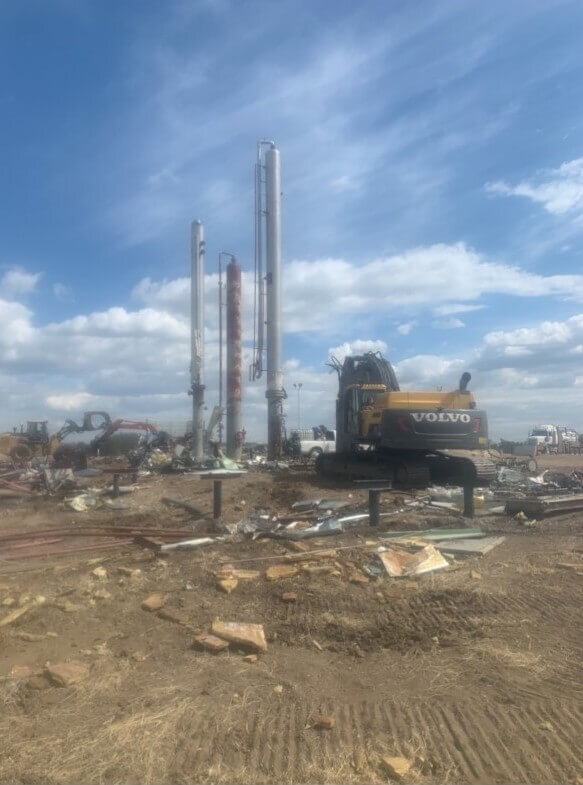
(411, 439)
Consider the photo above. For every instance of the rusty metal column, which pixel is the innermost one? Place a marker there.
(234, 361)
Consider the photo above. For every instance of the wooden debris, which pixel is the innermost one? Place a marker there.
(102, 594)
(21, 672)
(227, 584)
(154, 602)
(320, 569)
(210, 643)
(324, 722)
(68, 607)
(251, 635)
(65, 674)
(359, 578)
(133, 573)
(298, 546)
(171, 614)
(281, 571)
(241, 575)
(570, 566)
(289, 596)
(17, 614)
(30, 637)
(251, 658)
(312, 556)
(397, 767)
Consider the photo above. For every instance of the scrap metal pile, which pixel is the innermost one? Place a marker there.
(540, 496)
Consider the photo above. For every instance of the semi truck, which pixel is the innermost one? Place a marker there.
(554, 438)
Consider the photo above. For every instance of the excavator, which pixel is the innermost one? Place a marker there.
(410, 439)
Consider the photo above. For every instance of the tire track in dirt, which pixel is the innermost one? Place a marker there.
(405, 623)
(537, 742)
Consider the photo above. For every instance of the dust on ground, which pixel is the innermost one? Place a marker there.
(472, 674)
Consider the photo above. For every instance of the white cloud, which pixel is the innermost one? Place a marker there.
(359, 346)
(453, 308)
(448, 324)
(70, 401)
(320, 295)
(16, 282)
(344, 183)
(559, 190)
(406, 327)
(416, 279)
(544, 333)
(15, 325)
(63, 292)
(429, 370)
(517, 351)
(118, 321)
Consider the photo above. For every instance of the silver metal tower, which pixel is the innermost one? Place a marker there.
(197, 250)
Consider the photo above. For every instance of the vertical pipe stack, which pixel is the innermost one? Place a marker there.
(234, 361)
(275, 392)
(197, 249)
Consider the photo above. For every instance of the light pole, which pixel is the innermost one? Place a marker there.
(298, 387)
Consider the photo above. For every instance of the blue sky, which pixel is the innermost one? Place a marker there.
(432, 169)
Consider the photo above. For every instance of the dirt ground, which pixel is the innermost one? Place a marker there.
(473, 673)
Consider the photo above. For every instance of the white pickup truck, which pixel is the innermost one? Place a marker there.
(315, 441)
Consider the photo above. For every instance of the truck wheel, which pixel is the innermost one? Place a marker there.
(314, 453)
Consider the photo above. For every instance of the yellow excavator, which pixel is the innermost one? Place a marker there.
(410, 439)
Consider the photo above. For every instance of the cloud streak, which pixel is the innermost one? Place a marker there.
(559, 191)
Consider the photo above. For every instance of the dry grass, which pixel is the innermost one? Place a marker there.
(138, 747)
(503, 654)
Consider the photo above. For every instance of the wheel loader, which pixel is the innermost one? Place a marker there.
(410, 439)
(27, 443)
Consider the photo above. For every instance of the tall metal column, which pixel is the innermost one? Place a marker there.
(197, 250)
(275, 392)
(234, 361)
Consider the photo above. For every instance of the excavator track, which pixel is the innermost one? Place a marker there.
(410, 469)
(464, 467)
(403, 471)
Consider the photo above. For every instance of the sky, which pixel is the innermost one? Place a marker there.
(432, 208)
